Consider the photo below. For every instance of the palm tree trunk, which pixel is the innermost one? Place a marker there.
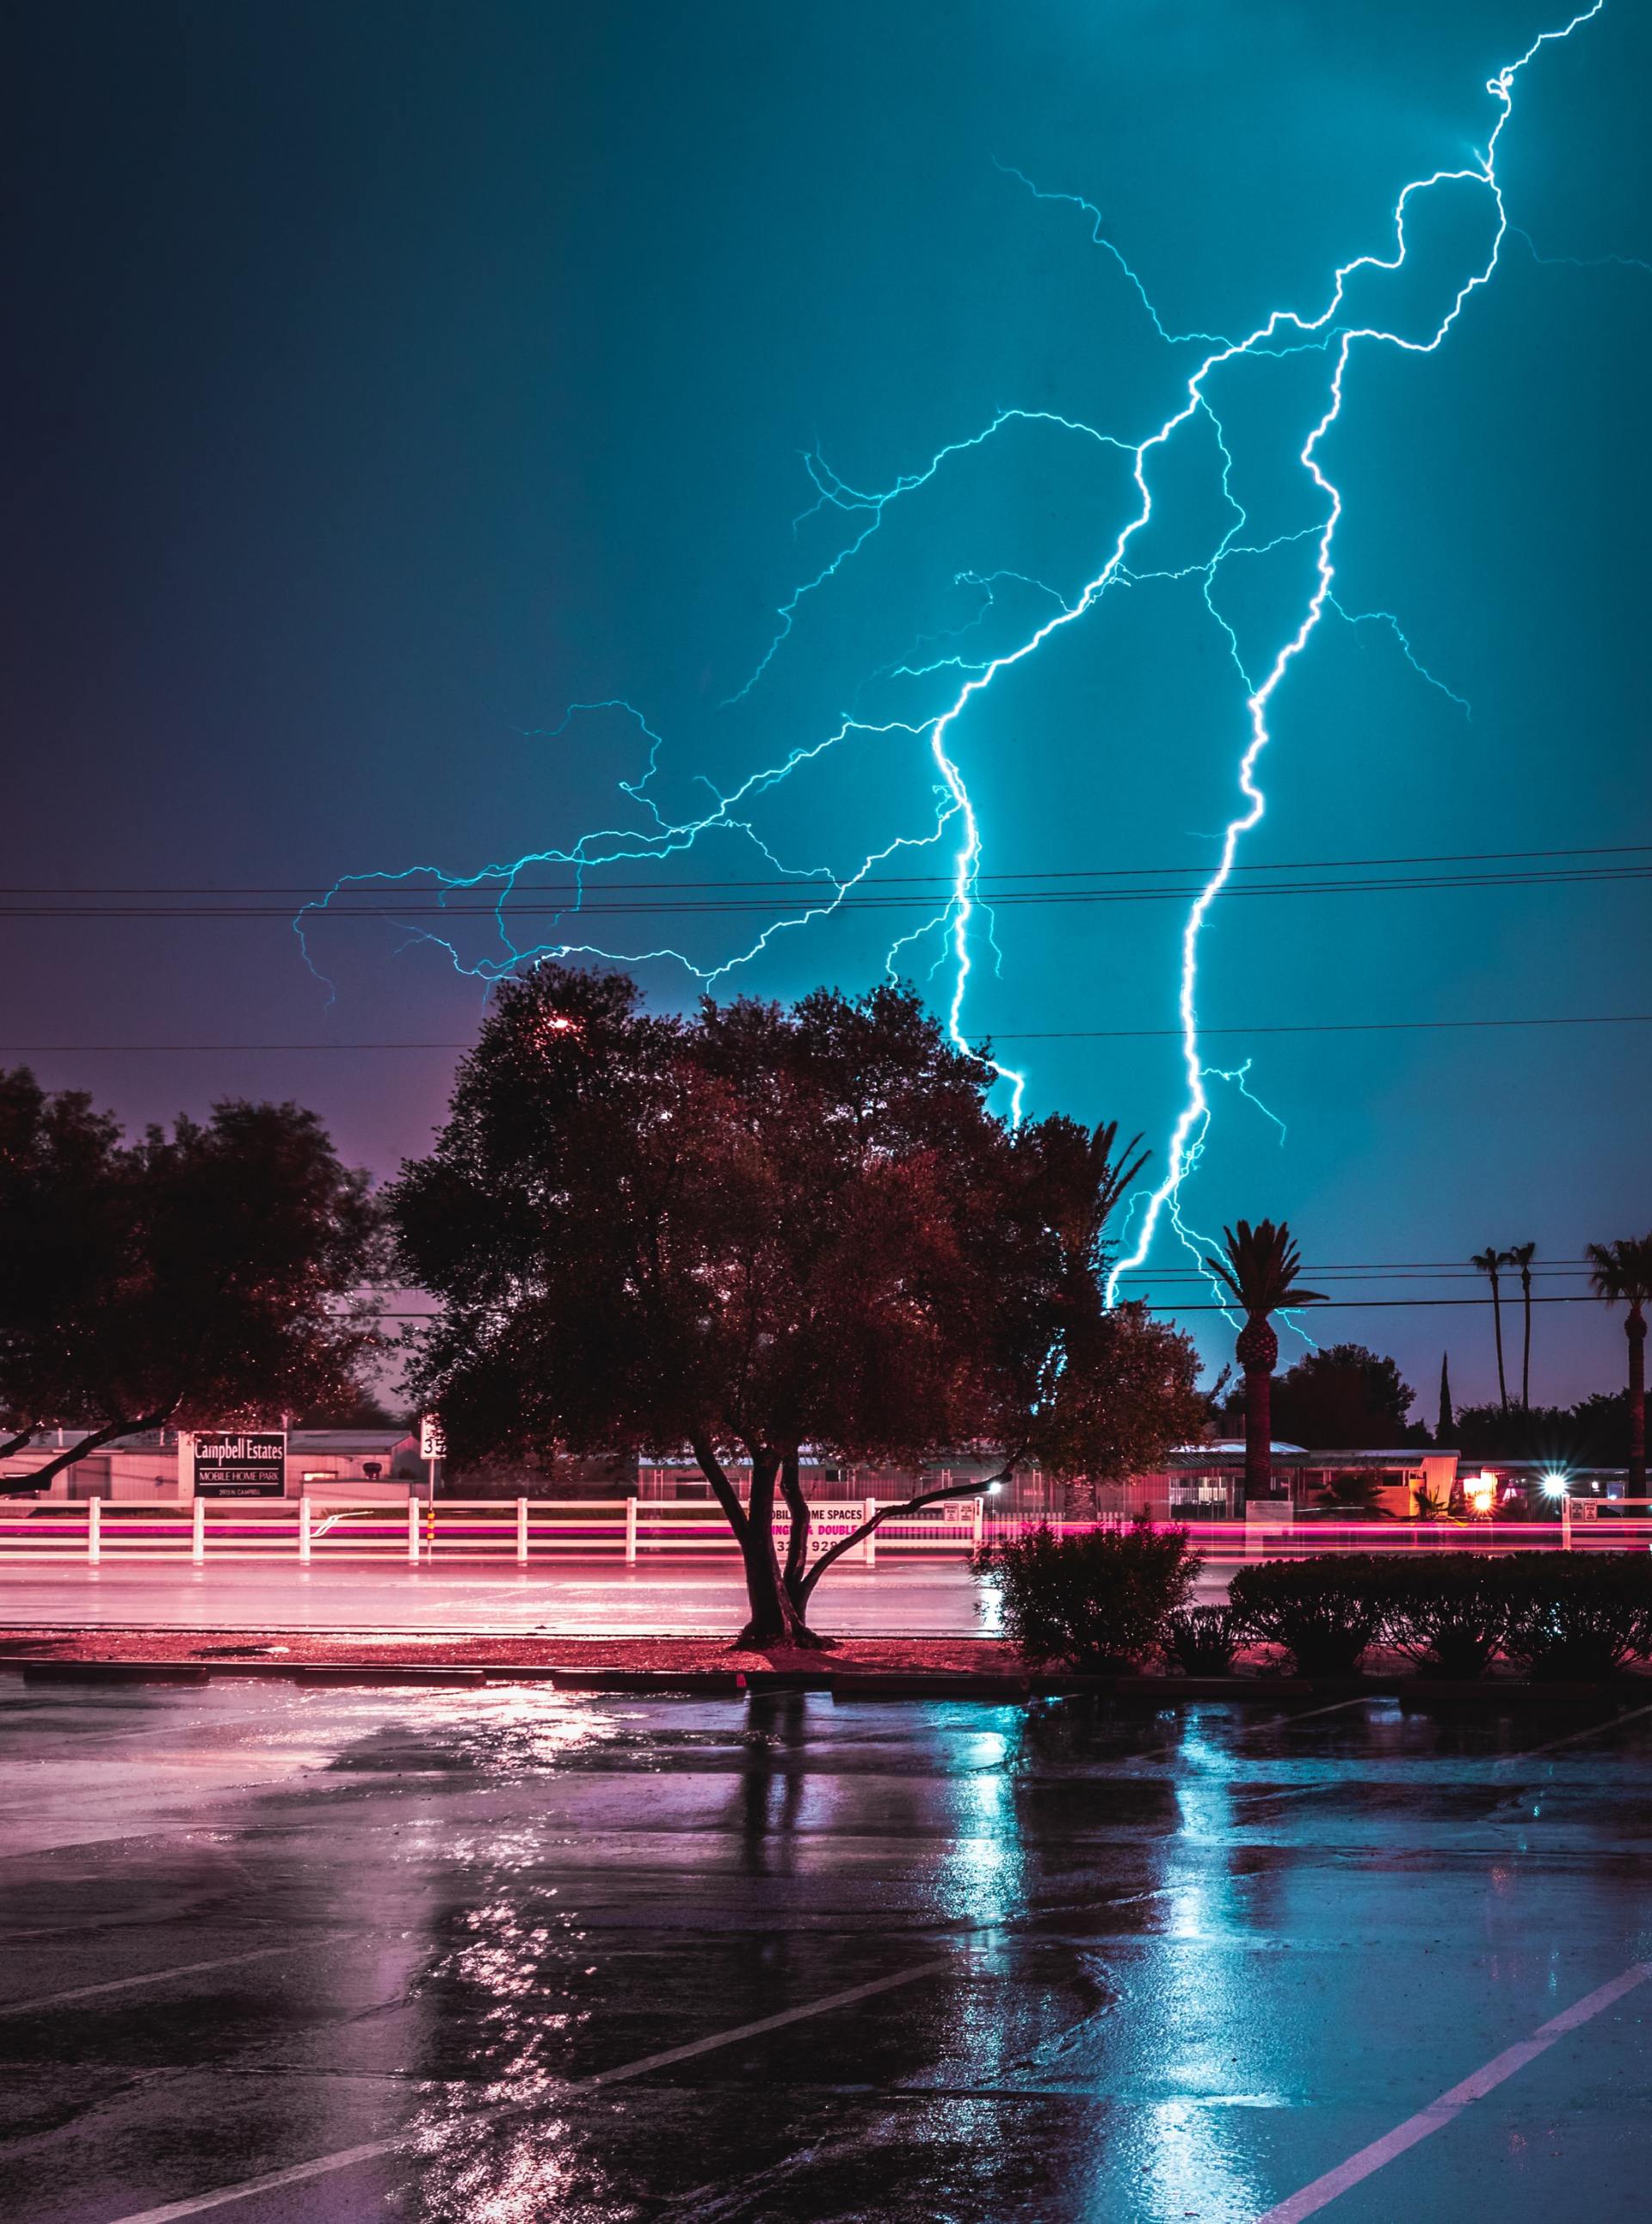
(1257, 1352)
(1258, 1433)
(1497, 1325)
(1526, 1350)
(1635, 1330)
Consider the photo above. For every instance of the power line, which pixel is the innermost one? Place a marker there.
(791, 880)
(1051, 1034)
(1510, 1292)
(1331, 1027)
(821, 896)
(1332, 1305)
(1353, 1304)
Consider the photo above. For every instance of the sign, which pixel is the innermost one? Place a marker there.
(829, 1524)
(252, 1464)
(433, 1444)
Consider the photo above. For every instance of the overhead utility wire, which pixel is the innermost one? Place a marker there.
(385, 905)
(1049, 1034)
(926, 880)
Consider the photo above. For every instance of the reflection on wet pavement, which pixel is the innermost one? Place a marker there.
(904, 1961)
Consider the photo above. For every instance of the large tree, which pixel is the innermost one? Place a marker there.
(1343, 1396)
(212, 1274)
(751, 1231)
(1621, 1274)
(1260, 1265)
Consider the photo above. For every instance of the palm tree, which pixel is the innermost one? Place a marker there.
(1520, 1255)
(1488, 1262)
(1621, 1273)
(1259, 1266)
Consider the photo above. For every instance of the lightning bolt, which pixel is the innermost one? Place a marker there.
(952, 826)
(1187, 1136)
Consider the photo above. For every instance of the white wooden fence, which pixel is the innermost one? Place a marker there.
(524, 1531)
(530, 1531)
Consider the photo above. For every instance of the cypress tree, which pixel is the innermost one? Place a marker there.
(1446, 1424)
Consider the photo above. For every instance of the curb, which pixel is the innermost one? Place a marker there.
(985, 1689)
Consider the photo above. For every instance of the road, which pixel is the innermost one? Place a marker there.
(591, 1598)
(922, 1598)
(323, 1957)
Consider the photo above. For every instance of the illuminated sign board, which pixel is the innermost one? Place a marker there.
(241, 1463)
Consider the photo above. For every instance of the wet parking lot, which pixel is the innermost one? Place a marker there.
(510, 1955)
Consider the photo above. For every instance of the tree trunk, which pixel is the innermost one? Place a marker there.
(1635, 1330)
(1496, 1329)
(1526, 1348)
(1257, 1352)
(797, 1548)
(773, 1619)
(12, 1484)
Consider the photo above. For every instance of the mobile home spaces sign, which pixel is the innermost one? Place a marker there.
(245, 1463)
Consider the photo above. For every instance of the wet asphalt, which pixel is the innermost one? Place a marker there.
(416, 1957)
(937, 1597)
(698, 1597)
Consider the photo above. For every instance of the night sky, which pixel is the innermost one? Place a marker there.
(384, 379)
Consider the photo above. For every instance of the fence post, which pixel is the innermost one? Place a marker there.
(94, 1530)
(979, 1519)
(630, 1530)
(304, 1529)
(522, 1533)
(413, 1531)
(198, 1532)
(1565, 1523)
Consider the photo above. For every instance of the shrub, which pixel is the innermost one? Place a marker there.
(1201, 1640)
(1578, 1617)
(1324, 1611)
(1450, 1614)
(1099, 1601)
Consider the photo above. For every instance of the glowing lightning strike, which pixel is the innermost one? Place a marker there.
(1284, 333)
(1188, 1134)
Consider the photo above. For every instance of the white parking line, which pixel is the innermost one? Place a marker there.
(1450, 2105)
(323, 2165)
(1576, 1737)
(151, 1977)
(1309, 1715)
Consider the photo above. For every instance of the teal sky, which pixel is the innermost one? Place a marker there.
(390, 378)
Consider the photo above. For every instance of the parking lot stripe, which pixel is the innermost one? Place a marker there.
(150, 1977)
(1575, 1737)
(1311, 1715)
(272, 2181)
(1451, 2105)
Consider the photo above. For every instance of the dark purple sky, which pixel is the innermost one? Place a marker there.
(383, 380)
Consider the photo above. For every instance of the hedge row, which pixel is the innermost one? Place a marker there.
(1108, 1603)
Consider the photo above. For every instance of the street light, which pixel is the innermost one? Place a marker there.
(1555, 1482)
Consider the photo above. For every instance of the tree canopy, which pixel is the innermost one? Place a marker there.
(1342, 1396)
(756, 1229)
(212, 1274)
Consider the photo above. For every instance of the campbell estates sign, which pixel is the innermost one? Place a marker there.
(245, 1463)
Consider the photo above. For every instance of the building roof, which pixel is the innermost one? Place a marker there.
(350, 1444)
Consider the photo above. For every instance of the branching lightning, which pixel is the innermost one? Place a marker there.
(954, 826)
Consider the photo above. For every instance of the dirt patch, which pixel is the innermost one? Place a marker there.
(286, 1648)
